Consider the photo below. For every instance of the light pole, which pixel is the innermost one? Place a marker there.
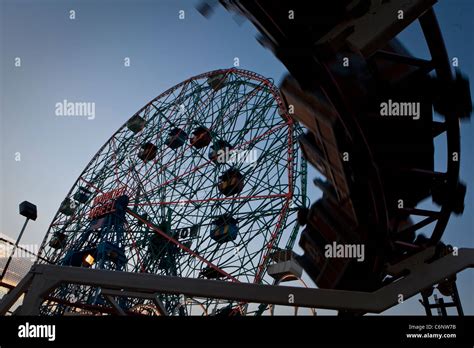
(28, 210)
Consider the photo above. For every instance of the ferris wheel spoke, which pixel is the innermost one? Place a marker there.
(194, 170)
(184, 248)
(208, 98)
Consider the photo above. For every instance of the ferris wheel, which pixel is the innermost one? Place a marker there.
(204, 181)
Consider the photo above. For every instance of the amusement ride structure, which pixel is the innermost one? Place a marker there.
(202, 182)
(198, 199)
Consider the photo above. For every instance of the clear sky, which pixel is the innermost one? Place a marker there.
(82, 60)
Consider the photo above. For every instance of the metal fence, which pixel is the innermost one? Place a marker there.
(18, 268)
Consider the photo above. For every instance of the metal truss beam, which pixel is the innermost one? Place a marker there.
(43, 278)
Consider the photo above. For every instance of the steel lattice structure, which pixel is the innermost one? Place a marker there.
(157, 198)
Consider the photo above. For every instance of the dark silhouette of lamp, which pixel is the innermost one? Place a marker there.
(28, 210)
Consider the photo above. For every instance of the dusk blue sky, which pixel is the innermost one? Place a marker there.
(83, 60)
